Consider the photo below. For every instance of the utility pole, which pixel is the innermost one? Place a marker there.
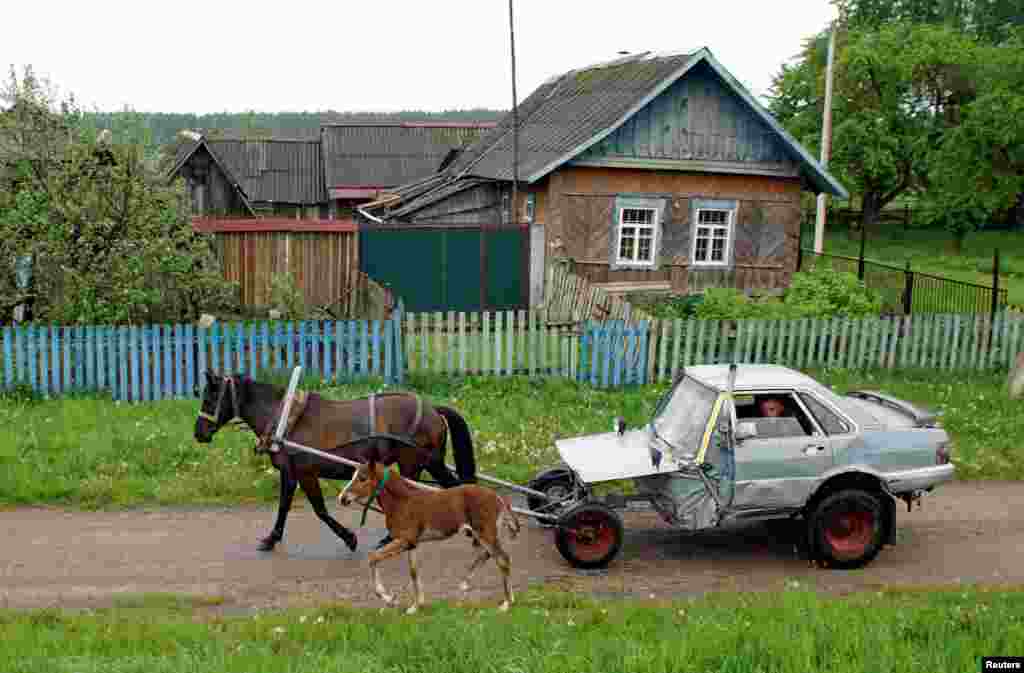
(826, 143)
(515, 117)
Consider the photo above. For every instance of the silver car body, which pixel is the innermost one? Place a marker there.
(697, 477)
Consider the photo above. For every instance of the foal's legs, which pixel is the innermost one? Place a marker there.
(311, 487)
(417, 600)
(393, 548)
(284, 504)
(492, 548)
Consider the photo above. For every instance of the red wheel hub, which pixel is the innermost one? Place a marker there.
(850, 533)
(591, 536)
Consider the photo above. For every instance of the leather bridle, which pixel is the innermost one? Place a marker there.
(227, 384)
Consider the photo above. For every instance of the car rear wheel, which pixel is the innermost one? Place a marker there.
(589, 535)
(848, 528)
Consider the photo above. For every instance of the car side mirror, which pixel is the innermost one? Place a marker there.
(746, 430)
(619, 425)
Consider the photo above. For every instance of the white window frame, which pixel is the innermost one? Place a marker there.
(730, 217)
(653, 226)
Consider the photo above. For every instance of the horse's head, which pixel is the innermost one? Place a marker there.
(366, 483)
(221, 402)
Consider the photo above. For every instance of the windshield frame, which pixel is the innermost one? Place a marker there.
(699, 430)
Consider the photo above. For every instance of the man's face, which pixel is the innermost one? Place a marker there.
(772, 407)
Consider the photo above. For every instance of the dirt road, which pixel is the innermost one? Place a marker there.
(967, 532)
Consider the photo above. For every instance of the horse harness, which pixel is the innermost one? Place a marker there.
(299, 404)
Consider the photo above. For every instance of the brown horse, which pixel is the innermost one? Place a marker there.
(415, 516)
(396, 427)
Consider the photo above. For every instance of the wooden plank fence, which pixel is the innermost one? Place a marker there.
(167, 361)
(572, 298)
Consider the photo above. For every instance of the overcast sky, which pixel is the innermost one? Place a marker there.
(226, 55)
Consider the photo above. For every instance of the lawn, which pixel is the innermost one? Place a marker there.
(931, 251)
(548, 632)
(90, 452)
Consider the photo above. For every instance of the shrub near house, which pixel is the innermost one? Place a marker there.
(811, 294)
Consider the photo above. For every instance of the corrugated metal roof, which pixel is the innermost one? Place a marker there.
(281, 171)
(411, 205)
(386, 155)
(566, 111)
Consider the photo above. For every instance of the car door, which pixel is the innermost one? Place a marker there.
(778, 468)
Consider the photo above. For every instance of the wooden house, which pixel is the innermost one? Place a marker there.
(649, 172)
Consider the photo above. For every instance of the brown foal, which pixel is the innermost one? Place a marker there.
(414, 515)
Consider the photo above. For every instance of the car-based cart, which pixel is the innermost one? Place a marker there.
(821, 464)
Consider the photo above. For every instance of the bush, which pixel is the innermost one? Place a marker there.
(286, 296)
(826, 293)
(666, 306)
(815, 294)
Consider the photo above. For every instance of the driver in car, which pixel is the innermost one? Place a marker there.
(771, 407)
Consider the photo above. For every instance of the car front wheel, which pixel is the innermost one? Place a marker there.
(848, 528)
(589, 535)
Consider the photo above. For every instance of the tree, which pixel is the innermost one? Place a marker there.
(897, 89)
(109, 241)
(976, 174)
(990, 21)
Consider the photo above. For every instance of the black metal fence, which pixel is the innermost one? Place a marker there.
(906, 291)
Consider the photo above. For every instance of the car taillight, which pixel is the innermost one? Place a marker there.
(942, 454)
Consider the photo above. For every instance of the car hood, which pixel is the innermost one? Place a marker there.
(609, 456)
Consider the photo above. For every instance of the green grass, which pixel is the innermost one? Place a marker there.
(93, 453)
(548, 632)
(931, 251)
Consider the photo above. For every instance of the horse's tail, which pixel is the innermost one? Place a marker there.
(462, 444)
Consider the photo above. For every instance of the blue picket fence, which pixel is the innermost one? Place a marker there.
(613, 353)
(155, 362)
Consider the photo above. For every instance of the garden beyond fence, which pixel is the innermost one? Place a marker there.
(906, 291)
(164, 361)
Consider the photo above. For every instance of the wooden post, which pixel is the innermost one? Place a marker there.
(826, 144)
(995, 296)
(908, 290)
(995, 282)
(860, 259)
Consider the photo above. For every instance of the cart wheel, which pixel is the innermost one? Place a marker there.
(557, 487)
(589, 535)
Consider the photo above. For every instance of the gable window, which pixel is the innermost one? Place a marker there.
(712, 237)
(636, 235)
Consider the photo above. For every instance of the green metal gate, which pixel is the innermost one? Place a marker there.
(449, 268)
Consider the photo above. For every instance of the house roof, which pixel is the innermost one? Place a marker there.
(275, 169)
(278, 170)
(570, 112)
(377, 155)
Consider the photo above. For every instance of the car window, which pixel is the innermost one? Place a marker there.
(776, 415)
(831, 422)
